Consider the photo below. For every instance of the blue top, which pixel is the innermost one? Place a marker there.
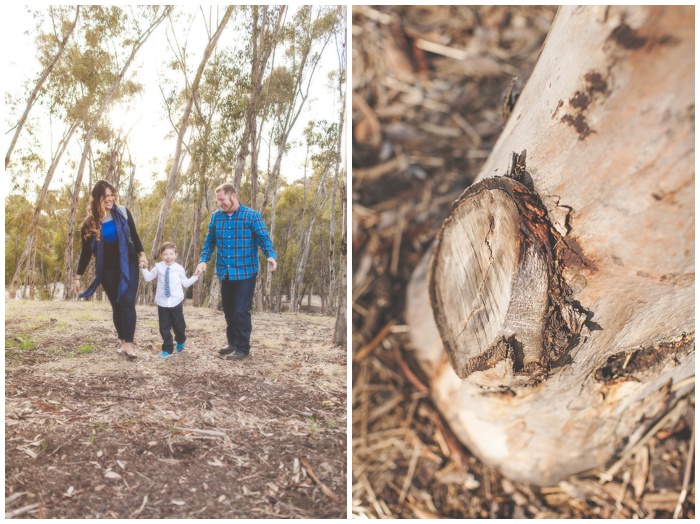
(109, 231)
(236, 238)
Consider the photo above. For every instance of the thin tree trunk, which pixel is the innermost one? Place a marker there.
(273, 216)
(260, 56)
(334, 262)
(340, 332)
(563, 294)
(214, 299)
(130, 190)
(31, 230)
(196, 239)
(175, 169)
(304, 247)
(39, 85)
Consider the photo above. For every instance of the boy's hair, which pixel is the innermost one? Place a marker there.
(227, 188)
(167, 245)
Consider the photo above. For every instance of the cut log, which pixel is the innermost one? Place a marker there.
(562, 283)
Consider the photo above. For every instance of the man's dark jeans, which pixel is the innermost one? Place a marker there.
(237, 301)
(171, 317)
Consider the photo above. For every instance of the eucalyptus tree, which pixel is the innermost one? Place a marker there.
(58, 95)
(341, 328)
(191, 93)
(25, 260)
(208, 150)
(306, 37)
(52, 45)
(98, 70)
(336, 293)
(266, 31)
(325, 139)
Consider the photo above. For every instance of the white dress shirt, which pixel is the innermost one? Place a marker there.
(178, 280)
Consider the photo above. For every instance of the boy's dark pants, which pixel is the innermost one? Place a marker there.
(171, 317)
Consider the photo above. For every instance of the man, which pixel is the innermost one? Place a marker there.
(236, 231)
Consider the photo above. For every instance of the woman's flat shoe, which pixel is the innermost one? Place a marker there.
(130, 356)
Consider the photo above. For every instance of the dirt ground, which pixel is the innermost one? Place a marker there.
(89, 434)
(432, 87)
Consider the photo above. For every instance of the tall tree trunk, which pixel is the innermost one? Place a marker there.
(197, 240)
(563, 295)
(130, 190)
(262, 49)
(31, 230)
(213, 300)
(332, 261)
(273, 217)
(340, 333)
(175, 169)
(68, 256)
(304, 247)
(39, 85)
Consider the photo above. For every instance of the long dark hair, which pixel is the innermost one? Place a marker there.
(96, 210)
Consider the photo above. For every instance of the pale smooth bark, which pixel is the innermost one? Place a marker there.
(607, 123)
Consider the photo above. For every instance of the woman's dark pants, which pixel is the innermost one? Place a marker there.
(124, 312)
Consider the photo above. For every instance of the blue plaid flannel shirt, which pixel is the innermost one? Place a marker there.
(236, 239)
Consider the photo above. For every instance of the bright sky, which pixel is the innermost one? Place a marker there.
(149, 145)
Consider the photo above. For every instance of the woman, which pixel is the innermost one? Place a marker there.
(109, 233)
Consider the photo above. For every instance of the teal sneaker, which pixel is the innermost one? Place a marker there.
(180, 347)
(165, 354)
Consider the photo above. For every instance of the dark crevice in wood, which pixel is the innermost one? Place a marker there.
(636, 364)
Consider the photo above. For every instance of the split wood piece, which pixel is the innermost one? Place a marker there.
(494, 288)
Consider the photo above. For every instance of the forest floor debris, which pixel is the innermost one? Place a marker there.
(89, 434)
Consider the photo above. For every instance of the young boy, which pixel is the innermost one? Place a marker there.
(169, 296)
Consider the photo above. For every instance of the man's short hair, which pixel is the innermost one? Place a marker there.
(227, 188)
(167, 245)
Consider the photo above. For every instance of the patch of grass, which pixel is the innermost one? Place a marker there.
(86, 348)
(20, 342)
